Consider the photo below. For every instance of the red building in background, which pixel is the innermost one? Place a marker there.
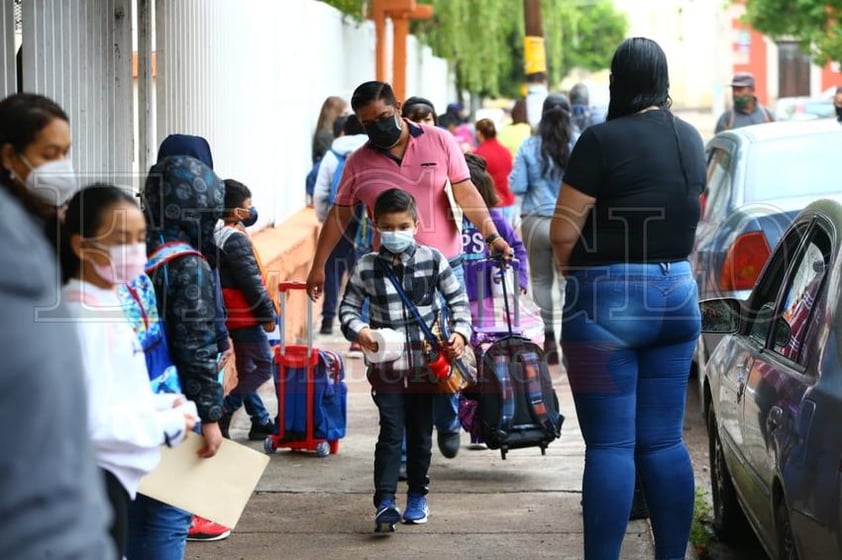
(779, 67)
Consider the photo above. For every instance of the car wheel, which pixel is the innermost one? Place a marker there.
(786, 541)
(729, 521)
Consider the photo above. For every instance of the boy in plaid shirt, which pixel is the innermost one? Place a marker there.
(403, 390)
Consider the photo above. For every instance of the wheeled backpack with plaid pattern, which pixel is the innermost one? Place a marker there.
(517, 406)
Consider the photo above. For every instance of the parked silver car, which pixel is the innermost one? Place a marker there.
(772, 395)
(759, 178)
(803, 108)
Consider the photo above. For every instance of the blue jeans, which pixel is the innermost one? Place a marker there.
(628, 332)
(157, 531)
(253, 403)
(253, 357)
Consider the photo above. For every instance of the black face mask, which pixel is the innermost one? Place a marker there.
(838, 112)
(385, 133)
(252, 217)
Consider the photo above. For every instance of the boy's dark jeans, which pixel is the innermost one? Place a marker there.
(253, 357)
(409, 409)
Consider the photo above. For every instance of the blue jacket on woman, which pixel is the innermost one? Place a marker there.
(539, 190)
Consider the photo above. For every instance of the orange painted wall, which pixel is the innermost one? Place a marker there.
(830, 77)
(287, 252)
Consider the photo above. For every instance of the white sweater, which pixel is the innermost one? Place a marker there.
(127, 422)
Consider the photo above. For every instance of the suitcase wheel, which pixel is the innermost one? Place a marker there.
(322, 449)
(269, 446)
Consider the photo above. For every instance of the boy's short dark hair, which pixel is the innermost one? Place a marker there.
(482, 180)
(339, 125)
(352, 126)
(395, 200)
(235, 194)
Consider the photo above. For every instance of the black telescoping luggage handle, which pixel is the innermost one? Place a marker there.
(502, 263)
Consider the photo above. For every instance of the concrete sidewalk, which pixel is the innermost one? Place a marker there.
(480, 506)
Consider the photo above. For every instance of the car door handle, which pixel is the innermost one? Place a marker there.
(773, 421)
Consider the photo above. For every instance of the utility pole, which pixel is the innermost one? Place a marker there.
(534, 61)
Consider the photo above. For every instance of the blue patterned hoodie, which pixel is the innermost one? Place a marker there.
(183, 200)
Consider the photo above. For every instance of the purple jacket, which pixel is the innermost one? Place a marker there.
(474, 249)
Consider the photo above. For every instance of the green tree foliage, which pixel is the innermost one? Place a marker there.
(353, 8)
(815, 24)
(483, 39)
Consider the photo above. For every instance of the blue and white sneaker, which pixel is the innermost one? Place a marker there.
(387, 516)
(416, 509)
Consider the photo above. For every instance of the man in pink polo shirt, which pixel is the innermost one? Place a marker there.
(419, 159)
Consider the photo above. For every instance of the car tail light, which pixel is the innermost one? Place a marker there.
(744, 261)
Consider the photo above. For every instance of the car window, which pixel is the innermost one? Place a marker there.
(793, 166)
(821, 108)
(718, 185)
(798, 302)
(766, 293)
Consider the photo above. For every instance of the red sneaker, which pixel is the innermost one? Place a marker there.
(205, 530)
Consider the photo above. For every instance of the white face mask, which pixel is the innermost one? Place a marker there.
(127, 263)
(53, 182)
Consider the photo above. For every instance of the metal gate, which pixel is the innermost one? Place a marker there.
(78, 53)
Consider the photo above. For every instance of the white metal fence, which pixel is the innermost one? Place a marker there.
(78, 52)
(249, 75)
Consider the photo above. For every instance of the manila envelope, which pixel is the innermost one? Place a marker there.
(217, 488)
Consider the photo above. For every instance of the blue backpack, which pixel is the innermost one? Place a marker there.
(310, 181)
(337, 176)
(138, 300)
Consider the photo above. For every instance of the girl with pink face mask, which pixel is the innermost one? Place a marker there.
(102, 246)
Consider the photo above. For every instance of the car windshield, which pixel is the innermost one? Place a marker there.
(796, 166)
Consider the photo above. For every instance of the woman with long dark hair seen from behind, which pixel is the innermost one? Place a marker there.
(623, 228)
(536, 177)
(52, 500)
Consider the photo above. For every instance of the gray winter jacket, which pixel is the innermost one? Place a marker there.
(51, 494)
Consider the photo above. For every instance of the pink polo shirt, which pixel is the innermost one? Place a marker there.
(431, 158)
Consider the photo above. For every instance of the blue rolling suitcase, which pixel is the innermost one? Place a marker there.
(312, 395)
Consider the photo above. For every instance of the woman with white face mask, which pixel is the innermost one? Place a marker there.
(103, 245)
(50, 479)
(34, 155)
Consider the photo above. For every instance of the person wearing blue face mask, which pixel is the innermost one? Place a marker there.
(251, 311)
(403, 389)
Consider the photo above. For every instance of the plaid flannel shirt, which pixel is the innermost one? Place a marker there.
(423, 272)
